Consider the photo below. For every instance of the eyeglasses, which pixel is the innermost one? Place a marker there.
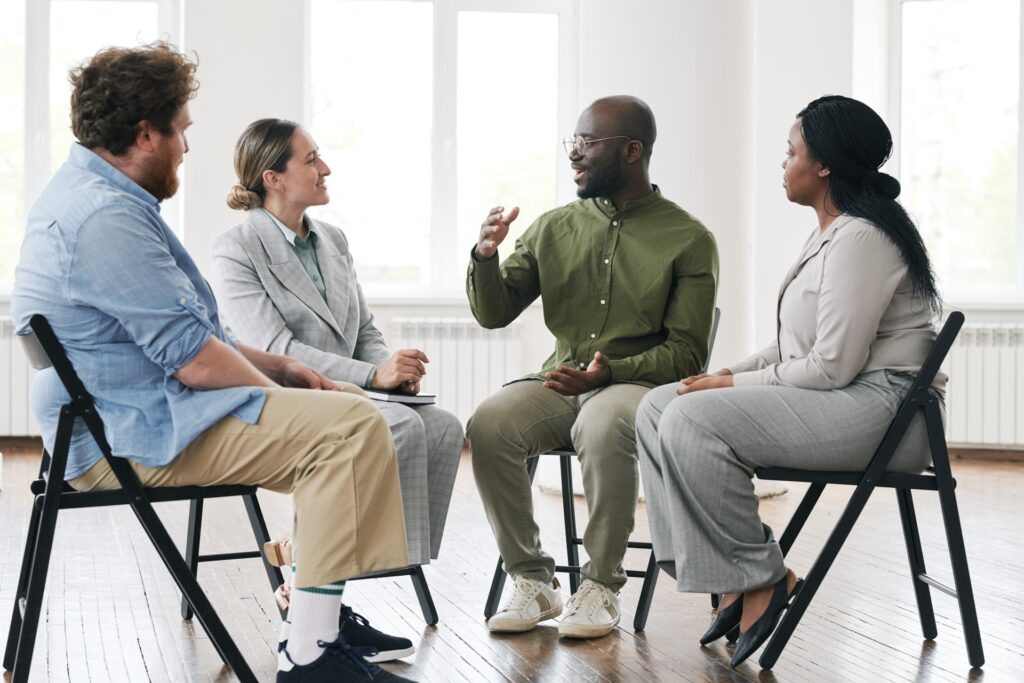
(580, 143)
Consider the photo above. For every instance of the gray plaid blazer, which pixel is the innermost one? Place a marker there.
(268, 300)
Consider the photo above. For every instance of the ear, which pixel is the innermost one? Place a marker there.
(272, 180)
(824, 172)
(634, 151)
(145, 136)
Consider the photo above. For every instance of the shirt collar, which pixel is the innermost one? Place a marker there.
(88, 160)
(608, 208)
(289, 234)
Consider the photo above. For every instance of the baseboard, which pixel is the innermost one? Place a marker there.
(961, 453)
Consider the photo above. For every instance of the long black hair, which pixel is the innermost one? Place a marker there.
(852, 141)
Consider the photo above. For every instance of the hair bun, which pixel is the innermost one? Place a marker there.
(887, 186)
(242, 199)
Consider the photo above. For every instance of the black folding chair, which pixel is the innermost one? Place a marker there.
(937, 477)
(52, 494)
(573, 540)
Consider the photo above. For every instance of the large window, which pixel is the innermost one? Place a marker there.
(40, 41)
(430, 113)
(960, 143)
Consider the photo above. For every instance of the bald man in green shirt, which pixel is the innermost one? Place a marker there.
(628, 281)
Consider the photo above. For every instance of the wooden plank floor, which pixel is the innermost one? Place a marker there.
(112, 610)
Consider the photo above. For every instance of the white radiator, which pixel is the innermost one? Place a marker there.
(15, 374)
(467, 362)
(985, 396)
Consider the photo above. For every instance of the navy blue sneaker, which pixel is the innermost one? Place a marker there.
(339, 662)
(356, 629)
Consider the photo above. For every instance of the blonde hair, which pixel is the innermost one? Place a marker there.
(265, 145)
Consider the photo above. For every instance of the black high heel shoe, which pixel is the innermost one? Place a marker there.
(728, 619)
(755, 636)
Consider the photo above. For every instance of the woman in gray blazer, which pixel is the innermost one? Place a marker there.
(855, 318)
(286, 282)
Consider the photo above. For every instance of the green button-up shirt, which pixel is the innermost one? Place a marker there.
(637, 284)
(305, 250)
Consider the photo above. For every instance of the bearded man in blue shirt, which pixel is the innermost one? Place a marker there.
(180, 399)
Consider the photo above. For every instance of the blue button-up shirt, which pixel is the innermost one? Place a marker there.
(130, 307)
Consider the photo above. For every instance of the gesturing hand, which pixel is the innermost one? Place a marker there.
(300, 376)
(494, 230)
(572, 382)
(720, 379)
(404, 366)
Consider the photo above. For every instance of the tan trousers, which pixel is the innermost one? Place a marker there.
(524, 419)
(331, 450)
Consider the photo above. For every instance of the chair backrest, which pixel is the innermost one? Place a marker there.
(45, 350)
(918, 398)
(711, 339)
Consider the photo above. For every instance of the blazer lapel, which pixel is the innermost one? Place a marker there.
(334, 267)
(285, 266)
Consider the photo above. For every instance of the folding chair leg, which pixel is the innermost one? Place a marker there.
(195, 532)
(817, 574)
(954, 535)
(915, 557)
(39, 564)
(643, 607)
(569, 512)
(187, 584)
(799, 518)
(259, 530)
(26, 565)
(494, 595)
(419, 582)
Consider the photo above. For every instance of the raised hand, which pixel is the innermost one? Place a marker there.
(405, 367)
(494, 230)
(572, 382)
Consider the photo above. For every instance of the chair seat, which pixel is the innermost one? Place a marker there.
(893, 480)
(70, 498)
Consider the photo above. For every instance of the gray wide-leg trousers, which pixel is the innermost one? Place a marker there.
(698, 453)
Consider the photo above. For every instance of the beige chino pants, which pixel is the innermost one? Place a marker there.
(332, 451)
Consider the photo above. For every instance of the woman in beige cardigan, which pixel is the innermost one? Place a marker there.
(855, 319)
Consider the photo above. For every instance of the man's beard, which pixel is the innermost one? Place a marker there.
(602, 181)
(161, 180)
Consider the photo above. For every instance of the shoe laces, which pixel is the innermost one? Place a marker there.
(525, 592)
(348, 614)
(591, 594)
(357, 655)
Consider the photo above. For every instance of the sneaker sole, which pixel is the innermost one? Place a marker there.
(523, 625)
(586, 630)
(388, 655)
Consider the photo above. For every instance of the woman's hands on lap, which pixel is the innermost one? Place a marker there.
(717, 380)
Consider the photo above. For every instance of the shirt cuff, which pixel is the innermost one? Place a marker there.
(749, 379)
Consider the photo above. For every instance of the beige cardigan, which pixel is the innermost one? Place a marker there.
(846, 308)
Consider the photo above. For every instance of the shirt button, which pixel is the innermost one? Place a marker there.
(605, 202)
(582, 366)
(182, 301)
(607, 261)
(615, 223)
(602, 302)
(593, 336)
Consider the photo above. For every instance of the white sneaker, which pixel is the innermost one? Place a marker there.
(532, 602)
(592, 612)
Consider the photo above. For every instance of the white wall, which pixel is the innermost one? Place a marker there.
(690, 61)
(251, 65)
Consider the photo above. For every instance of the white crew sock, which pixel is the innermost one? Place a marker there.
(313, 614)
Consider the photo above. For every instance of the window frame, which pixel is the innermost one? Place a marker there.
(446, 268)
(975, 299)
(37, 95)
